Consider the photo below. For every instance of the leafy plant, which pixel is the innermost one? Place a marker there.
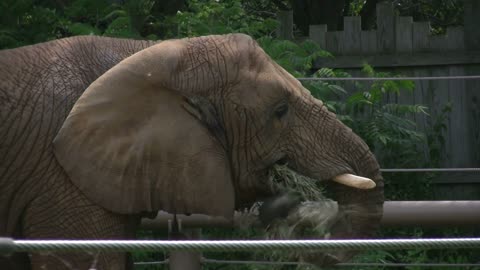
(296, 58)
(217, 17)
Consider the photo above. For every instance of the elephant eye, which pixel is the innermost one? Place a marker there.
(281, 110)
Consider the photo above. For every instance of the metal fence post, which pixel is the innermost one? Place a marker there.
(186, 260)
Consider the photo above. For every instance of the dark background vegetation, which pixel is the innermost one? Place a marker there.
(24, 22)
(385, 127)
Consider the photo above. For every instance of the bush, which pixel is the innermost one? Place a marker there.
(26, 22)
(217, 17)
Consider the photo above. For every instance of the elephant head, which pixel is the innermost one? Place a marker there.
(194, 125)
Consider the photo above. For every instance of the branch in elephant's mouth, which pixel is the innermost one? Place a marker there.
(311, 219)
(282, 178)
(315, 214)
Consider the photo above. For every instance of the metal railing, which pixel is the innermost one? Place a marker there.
(8, 245)
(471, 77)
(395, 213)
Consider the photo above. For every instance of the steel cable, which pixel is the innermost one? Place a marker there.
(233, 245)
(431, 170)
(344, 264)
(472, 77)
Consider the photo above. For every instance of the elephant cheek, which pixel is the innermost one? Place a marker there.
(252, 188)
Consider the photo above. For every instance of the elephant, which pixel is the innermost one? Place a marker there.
(98, 132)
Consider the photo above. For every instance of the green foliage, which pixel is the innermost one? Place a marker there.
(25, 22)
(205, 17)
(295, 58)
(87, 11)
(121, 27)
(83, 29)
(441, 13)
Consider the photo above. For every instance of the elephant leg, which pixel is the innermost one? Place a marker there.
(63, 212)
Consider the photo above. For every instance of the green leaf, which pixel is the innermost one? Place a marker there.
(324, 73)
(121, 27)
(337, 89)
(83, 29)
(368, 70)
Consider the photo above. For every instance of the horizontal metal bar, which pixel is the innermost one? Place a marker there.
(162, 220)
(431, 170)
(471, 77)
(166, 261)
(395, 213)
(431, 213)
(423, 265)
(252, 262)
(236, 245)
(215, 261)
(346, 264)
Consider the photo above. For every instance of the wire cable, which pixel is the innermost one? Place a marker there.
(423, 265)
(234, 245)
(472, 77)
(348, 264)
(431, 170)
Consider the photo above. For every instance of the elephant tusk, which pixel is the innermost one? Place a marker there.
(355, 181)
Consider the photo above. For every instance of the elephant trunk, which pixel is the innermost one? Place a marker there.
(333, 150)
(360, 210)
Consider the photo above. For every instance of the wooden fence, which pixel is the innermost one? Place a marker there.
(403, 46)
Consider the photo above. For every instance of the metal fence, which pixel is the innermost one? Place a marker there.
(8, 246)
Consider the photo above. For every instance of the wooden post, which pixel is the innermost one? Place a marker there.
(318, 34)
(285, 24)
(456, 35)
(472, 43)
(352, 35)
(335, 42)
(369, 41)
(403, 34)
(186, 260)
(421, 33)
(471, 22)
(385, 27)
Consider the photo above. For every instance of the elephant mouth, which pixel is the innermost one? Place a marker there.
(347, 179)
(283, 161)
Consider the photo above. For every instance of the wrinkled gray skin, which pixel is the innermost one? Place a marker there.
(243, 114)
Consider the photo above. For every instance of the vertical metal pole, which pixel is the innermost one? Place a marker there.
(185, 260)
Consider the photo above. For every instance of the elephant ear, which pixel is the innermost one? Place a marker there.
(132, 144)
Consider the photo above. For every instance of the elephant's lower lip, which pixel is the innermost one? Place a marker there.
(282, 161)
